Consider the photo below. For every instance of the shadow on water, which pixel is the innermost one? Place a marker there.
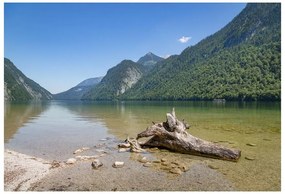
(16, 115)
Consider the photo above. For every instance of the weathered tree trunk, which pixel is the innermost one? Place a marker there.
(172, 135)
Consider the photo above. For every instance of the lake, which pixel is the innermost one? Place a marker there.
(53, 130)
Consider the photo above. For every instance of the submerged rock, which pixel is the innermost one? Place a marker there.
(213, 167)
(249, 158)
(118, 164)
(86, 157)
(148, 164)
(251, 144)
(163, 160)
(124, 150)
(81, 150)
(143, 160)
(176, 171)
(71, 161)
(96, 164)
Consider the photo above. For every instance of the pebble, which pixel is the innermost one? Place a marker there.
(164, 164)
(96, 164)
(165, 168)
(163, 160)
(183, 168)
(81, 150)
(156, 161)
(251, 144)
(176, 163)
(213, 167)
(124, 150)
(176, 171)
(86, 157)
(71, 161)
(148, 164)
(118, 164)
(249, 158)
(143, 160)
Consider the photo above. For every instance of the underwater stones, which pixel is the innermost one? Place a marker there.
(251, 144)
(71, 161)
(213, 167)
(96, 164)
(175, 171)
(81, 150)
(163, 160)
(142, 160)
(249, 158)
(147, 164)
(118, 164)
(87, 157)
(123, 150)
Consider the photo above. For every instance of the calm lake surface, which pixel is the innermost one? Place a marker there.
(53, 130)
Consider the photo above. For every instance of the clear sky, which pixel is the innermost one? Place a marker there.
(59, 45)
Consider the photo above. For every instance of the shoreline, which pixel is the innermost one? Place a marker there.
(27, 173)
(21, 170)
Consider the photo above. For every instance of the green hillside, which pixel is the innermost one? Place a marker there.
(242, 61)
(117, 80)
(18, 87)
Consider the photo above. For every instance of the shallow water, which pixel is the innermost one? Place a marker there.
(53, 130)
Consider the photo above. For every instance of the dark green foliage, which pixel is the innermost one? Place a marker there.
(242, 61)
(17, 83)
(115, 78)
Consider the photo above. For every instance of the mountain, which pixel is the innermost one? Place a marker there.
(18, 87)
(242, 61)
(117, 80)
(149, 60)
(76, 92)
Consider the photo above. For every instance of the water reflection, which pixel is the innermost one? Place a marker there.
(56, 129)
(129, 118)
(17, 115)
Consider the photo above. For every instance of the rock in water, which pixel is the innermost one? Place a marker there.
(96, 164)
(148, 164)
(71, 161)
(118, 164)
(175, 171)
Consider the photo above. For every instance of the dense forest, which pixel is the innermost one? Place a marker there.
(242, 61)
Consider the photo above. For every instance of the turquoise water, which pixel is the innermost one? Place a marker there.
(55, 129)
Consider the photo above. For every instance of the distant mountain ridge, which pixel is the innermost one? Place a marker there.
(149, 60)
(76, 92)
(122, 77)
(117, 80)
(18, 87)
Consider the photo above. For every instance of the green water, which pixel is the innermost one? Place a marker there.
(54, 129)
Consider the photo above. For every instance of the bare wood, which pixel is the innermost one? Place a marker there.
(172, 135)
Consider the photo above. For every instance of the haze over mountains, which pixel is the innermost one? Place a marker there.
(242, 61)
(76, 92)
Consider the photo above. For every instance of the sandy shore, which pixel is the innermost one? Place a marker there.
(22, 170)
(27, 173)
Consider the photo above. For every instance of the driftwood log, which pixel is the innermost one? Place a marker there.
(172, 135)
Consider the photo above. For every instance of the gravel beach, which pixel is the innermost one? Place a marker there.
(27, 173)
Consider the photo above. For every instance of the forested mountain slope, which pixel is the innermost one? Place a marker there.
(18, 87)
(242, 61)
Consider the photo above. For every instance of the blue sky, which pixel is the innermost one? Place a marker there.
(59, 45)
